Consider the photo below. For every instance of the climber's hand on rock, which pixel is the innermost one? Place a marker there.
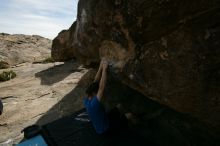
(104, 60)
(105, 66)
(104, 63)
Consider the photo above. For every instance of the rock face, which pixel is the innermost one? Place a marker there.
(16, 49)
(60, 47)
(168, 50)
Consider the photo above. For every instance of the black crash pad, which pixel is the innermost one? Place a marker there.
(77, 130)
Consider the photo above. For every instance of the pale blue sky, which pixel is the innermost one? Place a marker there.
(41, 17)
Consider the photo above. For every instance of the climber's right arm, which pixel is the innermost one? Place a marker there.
(102, 83)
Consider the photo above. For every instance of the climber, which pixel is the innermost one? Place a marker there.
(104, 122)
(1, 106)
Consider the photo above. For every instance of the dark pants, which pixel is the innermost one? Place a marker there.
(117, 122)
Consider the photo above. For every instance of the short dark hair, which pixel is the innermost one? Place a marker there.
(92, 88)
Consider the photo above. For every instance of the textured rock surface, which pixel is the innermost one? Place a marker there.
(60, 45)
(166, 49)
(16, 49)
(158, 123)
(40, 94)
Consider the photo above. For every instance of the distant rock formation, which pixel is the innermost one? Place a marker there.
(18, 48)
(168, 50)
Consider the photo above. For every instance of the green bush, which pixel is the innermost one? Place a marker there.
(4, 65)
(48, 60)
(7, 75)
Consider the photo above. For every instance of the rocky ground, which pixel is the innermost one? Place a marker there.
(16, 49)
(39, 94)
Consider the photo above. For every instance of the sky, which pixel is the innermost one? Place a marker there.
(37, 17)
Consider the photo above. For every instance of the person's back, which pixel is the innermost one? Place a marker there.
(97, 114)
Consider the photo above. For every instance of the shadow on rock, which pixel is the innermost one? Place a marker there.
(57, 73)
(159, 124)
(71, 102)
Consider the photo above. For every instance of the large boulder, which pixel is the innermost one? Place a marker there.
(60, 47)
(168, 50)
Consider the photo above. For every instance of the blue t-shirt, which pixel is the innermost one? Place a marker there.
(97, 114)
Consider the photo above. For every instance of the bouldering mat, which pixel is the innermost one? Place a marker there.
(77, 130)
